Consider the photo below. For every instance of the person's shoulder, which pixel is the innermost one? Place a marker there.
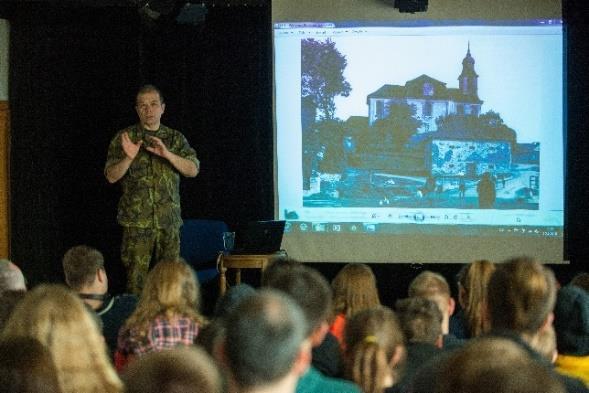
(315, 382)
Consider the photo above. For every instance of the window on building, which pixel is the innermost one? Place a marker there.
(427, 109)
(428, 89)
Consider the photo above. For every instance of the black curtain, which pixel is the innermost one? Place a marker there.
(74, 72)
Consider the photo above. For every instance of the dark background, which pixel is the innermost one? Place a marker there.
(74, 71)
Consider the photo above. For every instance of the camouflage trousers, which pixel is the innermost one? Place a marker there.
(142, 245)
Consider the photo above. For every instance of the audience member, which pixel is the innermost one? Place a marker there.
(571, 323)
(520, 304)
(421, 322)
(59, 320)
(167, 314)
(326, 355)
(26, 366)
(374, 349)
(266, 343)
(354, 289)
(231, 299)
(433, 286)
(313, 294)
(9, 300)
(11, 277)
(179, 370)
(492, 365)
(84, 271)
(581, 280)
(470, 320)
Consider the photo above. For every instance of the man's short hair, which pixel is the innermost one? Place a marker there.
(264, 335)
(11, 277)
(80, 264)
(307, 287)
(421, 319)
(521, 295)
(490, 364)
(187, 369)
(148, 88)
(431, 286)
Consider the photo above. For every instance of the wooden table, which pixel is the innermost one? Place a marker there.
(238, 262)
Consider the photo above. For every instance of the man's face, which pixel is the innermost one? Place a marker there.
(150, 110)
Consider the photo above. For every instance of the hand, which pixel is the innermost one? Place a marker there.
(158, 147)
(131, 149)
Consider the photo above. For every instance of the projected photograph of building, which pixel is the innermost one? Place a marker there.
(422, 144)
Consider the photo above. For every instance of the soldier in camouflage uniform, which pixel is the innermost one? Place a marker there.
(148, 158)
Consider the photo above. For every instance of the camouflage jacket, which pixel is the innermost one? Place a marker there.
(151, 186)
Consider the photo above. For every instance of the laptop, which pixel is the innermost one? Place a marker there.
(259, 237)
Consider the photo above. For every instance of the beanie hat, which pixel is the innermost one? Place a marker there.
(571, 321)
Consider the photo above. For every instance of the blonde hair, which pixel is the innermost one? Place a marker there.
(354, 289)
(57, 318)
(472, 280)
(432, 286)
(171, 289)
(372, 337)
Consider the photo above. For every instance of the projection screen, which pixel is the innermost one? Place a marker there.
(416, 138)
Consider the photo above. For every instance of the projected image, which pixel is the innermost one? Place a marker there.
(378, 133)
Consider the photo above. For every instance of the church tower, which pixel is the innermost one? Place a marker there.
(467, 81)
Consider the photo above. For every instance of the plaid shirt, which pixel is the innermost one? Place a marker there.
(162, 334)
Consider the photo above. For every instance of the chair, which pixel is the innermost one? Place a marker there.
(200, 244)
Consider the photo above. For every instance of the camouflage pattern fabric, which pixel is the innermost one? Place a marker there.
(149, 208)
(151, 186)
(139, 245)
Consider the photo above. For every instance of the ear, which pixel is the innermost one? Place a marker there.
(547, 322)
(398, 356)
(163, 108)
(303, 359)
(451, 305)
(439, 342)
(101, 275)
(319, 333)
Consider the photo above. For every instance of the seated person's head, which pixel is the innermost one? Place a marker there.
(491, 365)
(311, 292)
(187, 369)
(354, 289)
(581, 280)
(26, 366)
(82, 265)
(433, 286)
(473, 279)
(521, 296)
(571, 321)
(421, 320)
(374, 348)
(11, 277)
(170, 286)
(8, 303)
(266, 341)
(58, 318)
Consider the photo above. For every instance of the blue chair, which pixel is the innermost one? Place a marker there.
(200, 243)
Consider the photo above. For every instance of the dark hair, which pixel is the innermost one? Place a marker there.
(187, 369)
(80, 264)
(421, 319)
(148, 88)
(264, 335)
(521, 294)
(26, 366)
(581, 280)
(307, 287)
